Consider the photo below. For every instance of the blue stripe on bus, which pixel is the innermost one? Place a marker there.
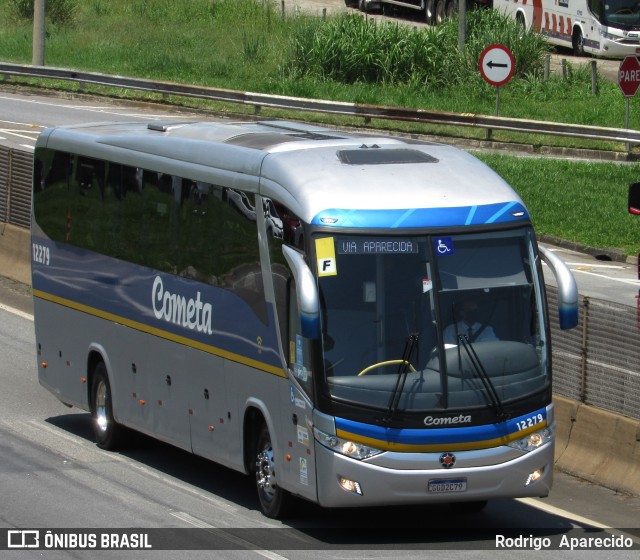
(122, 292)
(423, 217)
(431, 439)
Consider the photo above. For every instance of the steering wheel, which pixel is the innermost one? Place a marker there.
(387, 363)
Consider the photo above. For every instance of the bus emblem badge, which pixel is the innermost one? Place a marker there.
(447, 460)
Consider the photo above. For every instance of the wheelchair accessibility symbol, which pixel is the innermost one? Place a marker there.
(443, 245)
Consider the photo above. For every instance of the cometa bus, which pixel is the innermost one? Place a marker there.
(354, 320)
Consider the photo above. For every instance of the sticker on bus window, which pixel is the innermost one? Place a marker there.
(299, 354)
(443, 245)
(326, 257)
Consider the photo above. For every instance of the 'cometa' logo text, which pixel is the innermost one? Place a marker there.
(177, 309)
(462, 419)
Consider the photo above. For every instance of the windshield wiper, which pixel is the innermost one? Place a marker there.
(410, 345)
(479, 370)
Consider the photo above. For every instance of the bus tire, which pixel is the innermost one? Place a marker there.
(451, 8)
(522, 26)
(441, 11)
(577, 42)
(274, 501)
(430, 12)
(108, 432)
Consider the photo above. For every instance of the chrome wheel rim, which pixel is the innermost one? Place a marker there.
(265, 474)
(101, 406)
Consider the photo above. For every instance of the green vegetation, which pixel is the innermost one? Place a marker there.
(580, 201)
(353, 49)
(248, 45)
(58, 11)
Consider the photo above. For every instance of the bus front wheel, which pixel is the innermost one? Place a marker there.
(274, 501)
(107, 431)
(577, 42)
(430, 12)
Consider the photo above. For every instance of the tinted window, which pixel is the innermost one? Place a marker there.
(169, 223)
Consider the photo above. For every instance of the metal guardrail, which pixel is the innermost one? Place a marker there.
(627, 136)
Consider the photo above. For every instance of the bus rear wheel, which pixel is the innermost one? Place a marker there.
(451, 8)
(274, 501)
(441, 11)
(108, 432)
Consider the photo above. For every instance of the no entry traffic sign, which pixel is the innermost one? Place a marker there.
(497, 65)
(629, 76)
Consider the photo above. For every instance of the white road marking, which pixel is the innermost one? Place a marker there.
(613, 278)
(579, 519)
(15, 311)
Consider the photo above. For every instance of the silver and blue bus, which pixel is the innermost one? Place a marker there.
(351, 319)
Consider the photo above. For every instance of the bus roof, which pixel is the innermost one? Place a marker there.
(308, 168)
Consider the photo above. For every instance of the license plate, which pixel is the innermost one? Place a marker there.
(446, 486)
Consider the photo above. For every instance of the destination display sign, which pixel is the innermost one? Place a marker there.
(376, 246)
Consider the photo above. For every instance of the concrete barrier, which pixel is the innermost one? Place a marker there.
(598, 446)
(591, 443)
(15, 253)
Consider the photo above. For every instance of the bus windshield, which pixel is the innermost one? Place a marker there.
(624, 14)
(430, 323)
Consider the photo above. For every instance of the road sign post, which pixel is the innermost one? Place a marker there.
(497, 65)
(629, 82)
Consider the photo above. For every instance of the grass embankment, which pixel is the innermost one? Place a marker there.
(247, 45)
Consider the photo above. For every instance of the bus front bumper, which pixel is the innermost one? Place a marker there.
(345, 482)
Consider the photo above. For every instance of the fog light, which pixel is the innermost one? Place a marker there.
(350, 485)
(534, 476)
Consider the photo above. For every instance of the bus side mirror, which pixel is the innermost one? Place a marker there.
(634, 198)
(567, 289)
(306, 293)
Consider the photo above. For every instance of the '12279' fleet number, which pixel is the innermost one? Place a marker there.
(41, 254)
(529, 422)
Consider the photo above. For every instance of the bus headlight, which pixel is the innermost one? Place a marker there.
(533, 441)
(609, 36)
(344, 446)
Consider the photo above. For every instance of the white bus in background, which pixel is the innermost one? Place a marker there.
(604, 28)
(318, 344)
(433, 11)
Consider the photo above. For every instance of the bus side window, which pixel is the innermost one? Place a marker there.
(289, 232)
(219, 237)
(51, 192)
(86, 210)
(129, 195)
(596, 7)
(158, 235)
